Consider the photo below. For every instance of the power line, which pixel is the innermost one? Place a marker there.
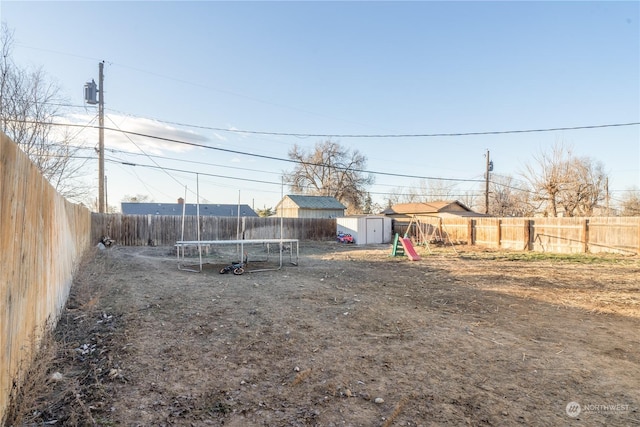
(198, 173)
(143, 182)
(307, 135)
(262, 156)
(176, 159)
(200, 85)
(401, 135)
(126, 133)
(113, 150)
(394, 193)
(125, 163)
(121, 161)
(143, 152)
(398, 135)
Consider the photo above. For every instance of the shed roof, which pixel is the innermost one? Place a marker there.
(316, 202)
(190, 209)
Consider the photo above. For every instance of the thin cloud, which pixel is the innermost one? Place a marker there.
(219, 137)
(133, 143)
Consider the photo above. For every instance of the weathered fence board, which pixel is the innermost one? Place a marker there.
(166, 230)
(514, 234)
(487, 231)
(614, 235)
(560, 235)
(42, 237)
(457, 229)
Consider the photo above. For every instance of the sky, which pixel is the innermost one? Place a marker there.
(246, 81)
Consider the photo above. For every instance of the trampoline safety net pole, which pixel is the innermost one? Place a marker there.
(198, 217)
(281, 220)
(239, 248)
(184, 205)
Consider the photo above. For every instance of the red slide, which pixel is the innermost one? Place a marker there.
(409, 249)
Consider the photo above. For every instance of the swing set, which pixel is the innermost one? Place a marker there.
(424, 234)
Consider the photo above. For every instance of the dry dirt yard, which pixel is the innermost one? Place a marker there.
(349, 337)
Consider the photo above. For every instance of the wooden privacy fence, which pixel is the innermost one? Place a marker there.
(558, 235)
(42, 238)
(561, 235)
(166, 230)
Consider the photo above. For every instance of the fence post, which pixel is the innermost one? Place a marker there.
(499, 233)
(149, 233)
(470, 231)
(585, 234)
(527, 234)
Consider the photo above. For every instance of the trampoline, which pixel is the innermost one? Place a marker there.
(182, 245)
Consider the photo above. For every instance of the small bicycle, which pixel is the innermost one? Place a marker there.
(236, 267)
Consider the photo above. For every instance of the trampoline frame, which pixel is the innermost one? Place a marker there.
(181, 245)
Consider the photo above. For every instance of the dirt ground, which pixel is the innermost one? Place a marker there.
(349, 337)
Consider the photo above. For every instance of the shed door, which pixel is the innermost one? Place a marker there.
(374, 230)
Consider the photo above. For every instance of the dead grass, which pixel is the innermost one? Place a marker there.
(530, 256)
(351, 336)
(35, 380)
(68, 380)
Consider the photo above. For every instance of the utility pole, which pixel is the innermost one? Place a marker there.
(486, 189)
(101, 178)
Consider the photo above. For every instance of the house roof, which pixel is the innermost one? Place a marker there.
(464, 214)
(316, 202)
(189, 208)
(452, 206)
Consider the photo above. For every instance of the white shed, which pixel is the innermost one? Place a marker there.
(366, 229)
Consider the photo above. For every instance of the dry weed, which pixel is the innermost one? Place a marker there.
(34, 381)
(80, 348)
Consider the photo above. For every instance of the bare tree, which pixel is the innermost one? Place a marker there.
(395, 196)
(546, 176)
(630, 205)
(93, 206)
(432, 190)
(28, 107)
(138, 198)
(585, 187)
(565, 184)
(507, 197)
(469, 199)
(426, 190)
(330, 170)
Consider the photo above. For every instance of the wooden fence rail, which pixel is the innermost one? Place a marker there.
(557, 235)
